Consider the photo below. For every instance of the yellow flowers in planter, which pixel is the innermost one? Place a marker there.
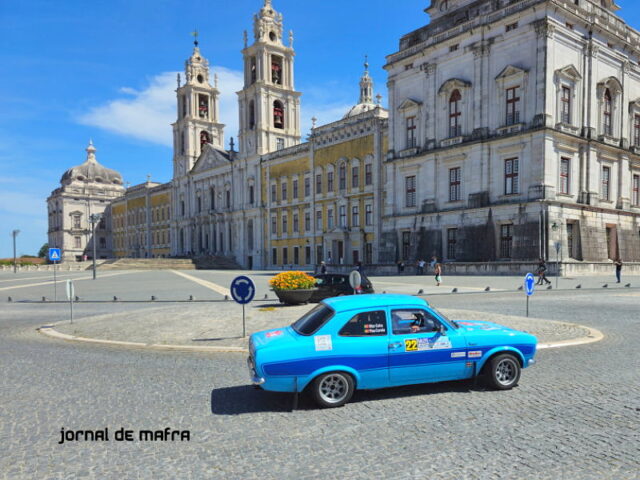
(292, 281)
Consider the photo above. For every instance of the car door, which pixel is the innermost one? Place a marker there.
(323, 288)
(424, 349)
(361, 343)
(341, 285)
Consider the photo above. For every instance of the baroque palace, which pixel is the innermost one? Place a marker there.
(512, 134)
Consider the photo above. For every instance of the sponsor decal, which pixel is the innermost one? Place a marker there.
(458, 354)
(275, 333)
(421, 344)
(470, 324)
(475, 354)
(370, 328)
(323, 343)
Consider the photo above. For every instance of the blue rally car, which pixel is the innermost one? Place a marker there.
(377, 341)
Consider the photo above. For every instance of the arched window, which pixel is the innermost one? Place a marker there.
(607, 111)
(252, 115)
(455, 128)
(250, 235)
(278, 114)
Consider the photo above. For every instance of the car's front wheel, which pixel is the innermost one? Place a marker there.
(333, 389)
(503, 372)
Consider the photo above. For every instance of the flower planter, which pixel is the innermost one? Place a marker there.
(294, 297)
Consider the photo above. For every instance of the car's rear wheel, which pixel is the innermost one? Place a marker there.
(333, 389)
(503, 372)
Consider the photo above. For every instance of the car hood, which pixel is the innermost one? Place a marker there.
(482, 327)
(273, 337)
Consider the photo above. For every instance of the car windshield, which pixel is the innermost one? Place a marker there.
(444, 317)
(311, 322)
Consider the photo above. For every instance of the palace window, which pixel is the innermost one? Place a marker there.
(565, 112)
(636, 130)
(329, 182)
(253, 69)
(77, 242)
(76, 221)
(284, 224)
(355, 177)
(368, 215)
(274, 226)
(406, 245)
(251, 194)
(278, 114)
(506, 240)
(284, 191)
(355, 216)
(295, 188)
(452, 239)
(228, 192)
(606, 177)
(368, 174)
(273, 193)
(307, 186)
(184, 105)
(212, 198)
(198, 204)
(513, 106)
(635, 191)
(607, 112)
(454, 184)
(511, 184)
(455, 129)
(319, 220)
(279, 143)
(252, 115)
(319, 183)
(342, 172)
(330, 218)
(565, 164)
(570, 240)
(274, 256)
(411, 132)
(343, 216)
(307, 221)
(410, 191)
(296, 224)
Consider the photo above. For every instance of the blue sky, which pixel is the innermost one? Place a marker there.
(105, 69)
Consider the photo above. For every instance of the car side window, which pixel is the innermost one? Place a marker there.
(338, 280)
(413, 320)
(321, 280)
(365, 324)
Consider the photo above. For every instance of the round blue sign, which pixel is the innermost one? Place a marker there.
(243, 289)
(529, 284)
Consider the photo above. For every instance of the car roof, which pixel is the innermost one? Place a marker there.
(351, 302)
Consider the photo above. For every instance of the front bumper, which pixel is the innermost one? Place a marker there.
(255, 379)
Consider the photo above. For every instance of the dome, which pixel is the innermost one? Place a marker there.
(91, 171)
(358, 109)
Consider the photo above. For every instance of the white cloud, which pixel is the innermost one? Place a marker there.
(147, 114)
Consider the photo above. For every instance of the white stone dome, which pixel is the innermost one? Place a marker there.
(91, 171)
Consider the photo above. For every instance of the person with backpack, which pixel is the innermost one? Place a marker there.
(541, 271)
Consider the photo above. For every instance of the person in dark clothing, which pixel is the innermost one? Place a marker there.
(541, 271)
(618, 264)
(323, 267)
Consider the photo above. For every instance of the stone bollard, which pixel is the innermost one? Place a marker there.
(191, 299)
(153, 298)
(9, 299)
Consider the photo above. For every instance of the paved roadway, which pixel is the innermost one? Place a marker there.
(574, 416)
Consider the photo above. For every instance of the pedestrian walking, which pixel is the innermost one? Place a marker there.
(438, 271)
(541, 272)
(323, 267)
(359, 267)
(618, 264)
(400, 266)
(421, 264)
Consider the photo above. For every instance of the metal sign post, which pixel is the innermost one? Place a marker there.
(243, 290)
(70, 295)
(558, 246)
(54, 256)
(355, 280)
(529, 287)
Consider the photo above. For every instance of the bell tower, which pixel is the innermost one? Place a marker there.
(198, 112)
(269, 106)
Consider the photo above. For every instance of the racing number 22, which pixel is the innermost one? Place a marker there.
(411, 345)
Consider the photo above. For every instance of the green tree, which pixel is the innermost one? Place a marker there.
(44, 251)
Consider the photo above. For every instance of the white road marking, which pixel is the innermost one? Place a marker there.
(49, 282)
(210, 285)
(41, 277)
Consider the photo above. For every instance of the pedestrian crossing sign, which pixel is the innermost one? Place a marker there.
(54, 254)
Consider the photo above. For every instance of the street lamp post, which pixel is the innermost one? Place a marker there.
(94, 218)
(15, 262)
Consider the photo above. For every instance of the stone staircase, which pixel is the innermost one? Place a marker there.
(216, 262)
(148, 264)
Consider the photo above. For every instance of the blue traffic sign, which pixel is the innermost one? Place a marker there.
(54, 254)
(243, 289)
(529, 284)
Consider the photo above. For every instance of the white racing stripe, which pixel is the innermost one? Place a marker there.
(210, 285)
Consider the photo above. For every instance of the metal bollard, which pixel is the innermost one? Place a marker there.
(9, 299)
(153, 298)
(115, 299)
(191, 298)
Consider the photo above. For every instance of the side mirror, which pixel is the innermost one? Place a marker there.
(442, 329)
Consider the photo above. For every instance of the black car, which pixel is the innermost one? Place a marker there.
(336, 284)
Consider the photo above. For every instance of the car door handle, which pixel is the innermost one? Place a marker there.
(395, 345)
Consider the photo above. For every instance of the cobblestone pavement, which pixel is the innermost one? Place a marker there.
(220, 324)
(575, 414)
